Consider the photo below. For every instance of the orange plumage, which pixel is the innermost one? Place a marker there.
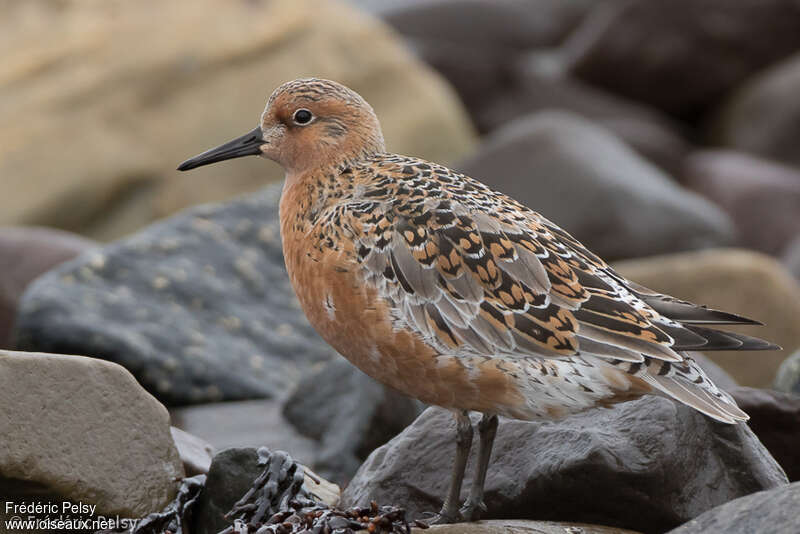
(455, 294)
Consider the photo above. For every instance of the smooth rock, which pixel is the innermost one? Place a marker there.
(501, 25)
(588, 182)
(476, 44)
(787, 379)
(517, 526)
(763, 115)
(775, 419)
(237, 424)
(737, 281)
(198, 307)
(129, 100)
(231, 475)
(195, 452)
(84, 430)
(348, 413)
(649, 132)
(762, 197)
(25, 253)
(791, 257)
(682, 55)
(655, 463)
(773, 511)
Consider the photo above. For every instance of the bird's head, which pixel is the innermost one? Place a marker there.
(308, 123)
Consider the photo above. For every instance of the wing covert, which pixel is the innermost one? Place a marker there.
(475, 272)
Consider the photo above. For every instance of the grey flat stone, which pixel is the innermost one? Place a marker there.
(198, 307)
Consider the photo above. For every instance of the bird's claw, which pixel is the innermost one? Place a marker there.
(472, 510)
(442, 518)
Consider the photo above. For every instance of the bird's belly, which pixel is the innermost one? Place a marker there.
(356, 321)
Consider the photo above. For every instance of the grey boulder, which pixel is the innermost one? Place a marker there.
(647, 465)
(476, 44)
(787, 379)
(763, 115)
(775, 419)
(791, 257)
(650, 133)
(232, 475)
(198, 307)
(348, 413)
(521, 526)
(773, 511)
(594, 186)
(681, 55)
(762, 197)
(83, 430)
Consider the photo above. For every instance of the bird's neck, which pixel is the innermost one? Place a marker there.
(305, 195)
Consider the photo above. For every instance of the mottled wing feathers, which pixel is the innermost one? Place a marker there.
(475, 272)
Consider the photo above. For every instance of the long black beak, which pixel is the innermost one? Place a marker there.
(247, 145)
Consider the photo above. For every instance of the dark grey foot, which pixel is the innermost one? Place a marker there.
(472, 510)
(444, 518)
(449, 512)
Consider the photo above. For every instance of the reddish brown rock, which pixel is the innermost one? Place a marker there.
(762, 197)
(25, 253)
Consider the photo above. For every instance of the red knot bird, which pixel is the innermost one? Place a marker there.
(452, 293)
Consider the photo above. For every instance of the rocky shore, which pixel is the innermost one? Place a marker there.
(156, 369)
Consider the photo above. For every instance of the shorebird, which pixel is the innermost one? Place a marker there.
(436, 285)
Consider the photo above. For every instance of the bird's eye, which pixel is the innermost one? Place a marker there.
(302, 116)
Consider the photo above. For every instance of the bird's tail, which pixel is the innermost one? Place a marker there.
(686, 382)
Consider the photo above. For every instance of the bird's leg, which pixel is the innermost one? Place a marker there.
(474, 506)
(449, 512)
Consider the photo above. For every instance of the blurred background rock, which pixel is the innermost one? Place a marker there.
(99, 100)
(665, 134)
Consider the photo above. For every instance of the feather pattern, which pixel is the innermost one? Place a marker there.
(496, 278)
(476, 274)
(457, 295)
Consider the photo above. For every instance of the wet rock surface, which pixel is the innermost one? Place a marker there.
(91, 434)
(565, 167)
(348, 414)
(773, 511)
(657, 464)
(237, 424)
(738, 281)
(198, 307)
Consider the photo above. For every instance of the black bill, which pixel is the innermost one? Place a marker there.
(247, 145)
